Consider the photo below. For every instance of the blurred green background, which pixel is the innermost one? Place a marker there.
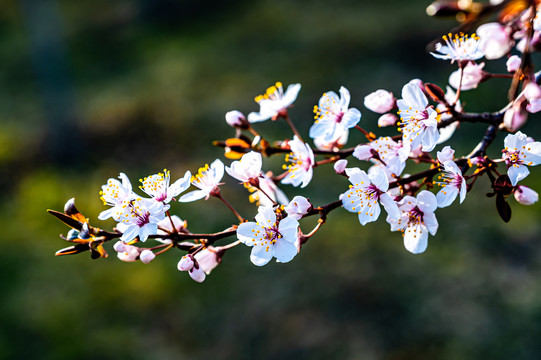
(89, 89)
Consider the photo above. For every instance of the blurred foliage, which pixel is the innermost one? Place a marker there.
(92, 88)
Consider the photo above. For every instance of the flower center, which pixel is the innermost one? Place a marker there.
(415, 216)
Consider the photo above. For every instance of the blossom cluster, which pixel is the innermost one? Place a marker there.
(424, 117)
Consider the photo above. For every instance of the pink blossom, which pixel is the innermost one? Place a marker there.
(516, 116)
(387, 120)
(340, 166)
(472, 75)
(525, 196)
(380, 101)
(513, 63)
(495, 41)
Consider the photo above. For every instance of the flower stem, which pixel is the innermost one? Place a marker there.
(219, 196)
(293, 128)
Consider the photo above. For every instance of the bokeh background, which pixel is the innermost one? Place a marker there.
(89, 89)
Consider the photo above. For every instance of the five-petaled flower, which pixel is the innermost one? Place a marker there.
(452, 183)
(302, 161)
(518, 154)
(418, 121)
(139, 218)
(416, 220)
(157, 186)
(114, 193)
(269, 237)
(385, 151)
(274, 102)
(247, 169)
(460, 47)
(366, 192)
(333, 116)
(207, 180)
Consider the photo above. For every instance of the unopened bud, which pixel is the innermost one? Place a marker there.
(532, 92)
(119, 246)
(197, 274)
(469, 77)
(446, 154)
(340, 166)
(209, 258)
(494, 40)
(516, 116)
(186, 263)
(147, 256)
(387, 120)
(298, 207)
(379, 101)
(237, 119)
(525, 196)
(513, 63)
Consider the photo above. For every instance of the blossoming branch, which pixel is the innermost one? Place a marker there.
(425, 118)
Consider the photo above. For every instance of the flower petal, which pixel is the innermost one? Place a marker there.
(261, 254)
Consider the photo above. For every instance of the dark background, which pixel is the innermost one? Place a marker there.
(89, 89)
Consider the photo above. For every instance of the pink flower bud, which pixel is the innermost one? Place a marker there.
(525, 196)
(129, 254)
(446, 154)
(209, 258)
(495, 41)
(513, 63)
(186, 263)
(516, 116)
(298, 207)
(532, 92)
(419, 83)
(471, 77)
(340, 166)
(197, 274)
(534, 106)
(147, 256)
(387, 120)
(119, 246)
(379, 101)
(236, 119)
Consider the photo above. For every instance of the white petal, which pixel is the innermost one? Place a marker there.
(389, 205)
(106, 214)
(369, 214)
(379, 179)
(446, 196)
(217, 167)
(363, 152)
(414, 96)
(284, 251)
(351, 118)
(291, 94)
(193, 196)
(260, 255)
(431, 223)
(344, 97)
(288, 228)
(246, 233)
(427, 201)
(517, 173)
(416, 239)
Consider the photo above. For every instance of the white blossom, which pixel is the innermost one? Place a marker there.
(333, 115)
(417, 219)
(366, 192)
(207, 180)
(274, 102)
(519, 153)
(269, 237)
(301, 161)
